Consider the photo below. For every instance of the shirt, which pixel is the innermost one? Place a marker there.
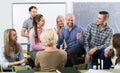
(4, 61)
(50, 61)
(94, 38)
(33, 45)
(28, 25)
(70, 37)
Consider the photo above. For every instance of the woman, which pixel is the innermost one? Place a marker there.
(60, 23)
(115, 47)
(11, 51)
(51, 58)
(34, 34)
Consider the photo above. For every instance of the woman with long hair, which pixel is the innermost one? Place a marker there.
(34, 34)
(11, 52)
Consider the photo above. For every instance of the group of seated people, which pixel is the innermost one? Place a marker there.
(45, 44)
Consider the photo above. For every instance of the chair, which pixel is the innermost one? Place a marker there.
(1, 69)
(16, 68)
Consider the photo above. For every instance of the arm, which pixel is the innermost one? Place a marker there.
(37, 64)
(5, 63)
(23, 33)
(34, 46)
(21, 57)
(60, 38)
(87, 38)
(64, 60)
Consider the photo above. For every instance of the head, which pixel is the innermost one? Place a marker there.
(116, 45)
(60, 21)
(69, 19)
(33, 11)
(10, 36)
(102, 18)
(38, 23)
(10, 40)
(49, 37)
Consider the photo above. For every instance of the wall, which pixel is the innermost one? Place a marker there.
(6, 10)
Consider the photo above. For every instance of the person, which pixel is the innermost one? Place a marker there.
(115, 47)
(51, 58)
(97, 38)
(28, 24)
(35, 32)
(74, 38)
(11, 52)
(60, 23)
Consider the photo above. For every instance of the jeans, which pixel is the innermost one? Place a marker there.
(74, 52)
(100, 54)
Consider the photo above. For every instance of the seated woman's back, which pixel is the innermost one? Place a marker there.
(51, 60)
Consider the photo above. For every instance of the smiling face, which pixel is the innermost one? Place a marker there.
(101, 19)
(41, 23)
(33, 12)
(13, 36)
(60, 21)
(69, 20)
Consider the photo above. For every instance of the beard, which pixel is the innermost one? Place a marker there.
(69, 24)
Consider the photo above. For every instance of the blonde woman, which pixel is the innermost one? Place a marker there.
(60, 23)
(11, 52)
(51, 58)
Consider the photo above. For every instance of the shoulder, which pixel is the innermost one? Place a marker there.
(32, 30)
(39, 53)
(63, 52)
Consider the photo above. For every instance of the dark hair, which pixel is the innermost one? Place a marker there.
(116, 45)
(105, 13)
(30, 8)
(36, 19)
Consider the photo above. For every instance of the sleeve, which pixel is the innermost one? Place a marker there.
(87, 38)
(107, 41)
(61, 38)
(33, 45)
(82, 38)
(64, 60)
(21, 55)
(37, 64)
(3, 61)
(25, 24)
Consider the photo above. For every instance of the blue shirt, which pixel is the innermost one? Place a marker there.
(70, 36)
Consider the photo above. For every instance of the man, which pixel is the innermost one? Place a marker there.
(28, 23)
(97, 38)
(73, 36)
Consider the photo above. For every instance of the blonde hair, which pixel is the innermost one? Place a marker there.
(49, 37)
(8, 43)
(58, 26)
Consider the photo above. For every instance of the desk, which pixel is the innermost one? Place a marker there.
(112, 71)
(82, 71)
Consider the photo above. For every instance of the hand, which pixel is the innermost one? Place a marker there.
(23, 60)
(87, 58)
(78, 35)
(93, 50)
(106, 54)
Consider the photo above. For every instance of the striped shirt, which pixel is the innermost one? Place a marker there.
(95, 38)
